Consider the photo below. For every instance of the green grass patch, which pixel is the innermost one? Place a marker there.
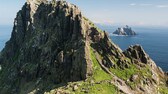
(146, 72)
(124, 73)
(98, 73)
(163, 90)
(102, 88)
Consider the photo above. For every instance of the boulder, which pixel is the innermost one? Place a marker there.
(134, 78)
(75, 87)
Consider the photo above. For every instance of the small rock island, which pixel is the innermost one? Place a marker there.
(125, 31)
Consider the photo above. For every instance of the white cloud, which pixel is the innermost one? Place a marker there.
(162, 6)
(146, 4)
(132, 4)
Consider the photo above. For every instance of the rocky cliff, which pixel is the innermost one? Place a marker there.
(55, 49)
(125, 31)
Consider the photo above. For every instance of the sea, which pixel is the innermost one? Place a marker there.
(154, 40)
(5, 34)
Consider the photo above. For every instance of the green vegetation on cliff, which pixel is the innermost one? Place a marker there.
(97, 70)
(54, 49)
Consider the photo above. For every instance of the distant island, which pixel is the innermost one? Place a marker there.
(125, 31)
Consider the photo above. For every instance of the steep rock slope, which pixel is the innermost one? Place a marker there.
(53, 46)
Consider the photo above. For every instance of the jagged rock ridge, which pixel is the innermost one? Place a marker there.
(124, 31)
(52, 44)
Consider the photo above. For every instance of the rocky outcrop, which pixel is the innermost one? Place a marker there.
(136, 52)
(124, 31)
(47, 43)
(53, 46)
(155, 77)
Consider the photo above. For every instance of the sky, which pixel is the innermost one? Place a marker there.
(113, 12)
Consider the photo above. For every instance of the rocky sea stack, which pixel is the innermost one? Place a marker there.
(54, 49)
(126, 31)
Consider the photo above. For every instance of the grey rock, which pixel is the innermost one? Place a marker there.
(138, 53)
(75, 87)
(134, 78)
(124, 31)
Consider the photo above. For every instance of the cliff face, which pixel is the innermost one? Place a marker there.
(49, 45)
(53, 44)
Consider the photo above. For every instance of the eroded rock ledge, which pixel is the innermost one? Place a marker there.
(53, 46)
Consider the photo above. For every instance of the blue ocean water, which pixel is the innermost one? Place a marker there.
(153, 40)
(5, 33)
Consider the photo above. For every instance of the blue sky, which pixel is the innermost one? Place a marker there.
(120, 12)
